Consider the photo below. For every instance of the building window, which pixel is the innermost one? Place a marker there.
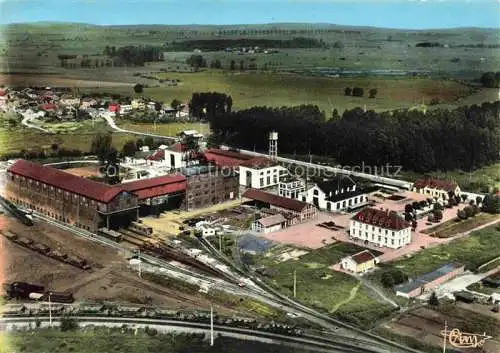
(315, 192)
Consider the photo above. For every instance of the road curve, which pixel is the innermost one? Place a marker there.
(109, 119)
(318, 343)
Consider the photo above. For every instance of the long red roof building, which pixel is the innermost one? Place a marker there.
(154, 187)
(380, 218)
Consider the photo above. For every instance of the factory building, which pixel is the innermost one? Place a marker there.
(208, 185)
(158, 194)
(68, 198)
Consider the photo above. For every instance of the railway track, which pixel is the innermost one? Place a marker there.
(329, 344)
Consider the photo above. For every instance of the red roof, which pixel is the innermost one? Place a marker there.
(68, 182)
(159, 186)
(275, 200)
(363, 256)
(3, 92)
(225, 158)
(380, 218)
(178, 147)
(49, 106)
(157, 156)
(258, 163)
(448, 186)
(113, 107)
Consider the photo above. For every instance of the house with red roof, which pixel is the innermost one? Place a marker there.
(434, 188)
(360, 262)
(48, 107)
(114, 107)
(380, 228)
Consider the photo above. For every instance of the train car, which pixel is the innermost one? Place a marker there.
(41, 248)
(56, 254)
(77, 261)
(140, 228)
(22, 290)
(9, 235)
(110, 234)
(24, 241)
(58, 297)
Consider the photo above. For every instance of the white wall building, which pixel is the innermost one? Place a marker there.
(260, 173)
(380, 228)
(291, 187)
(335, 195)
(269, 224)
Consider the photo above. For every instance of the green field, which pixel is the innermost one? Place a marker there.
(337, 293)
(80, 135)
(286, 89)
(126, 339)
(456, 226)
(473, 251)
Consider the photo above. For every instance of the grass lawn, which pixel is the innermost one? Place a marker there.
(336, 293)
(120, 339)
(479, 180)
(480, 288)
(169, 129)
(473, 251)
(285, 89)
(454, 226)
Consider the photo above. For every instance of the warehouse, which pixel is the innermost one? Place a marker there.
(68, 198)
(158, 194)
(208, 185)
(300, 211)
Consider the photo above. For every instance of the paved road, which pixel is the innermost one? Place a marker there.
(109, 119)
(29, 115)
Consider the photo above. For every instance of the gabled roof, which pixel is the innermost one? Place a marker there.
(275, 200)
(429, 277)
(362, 257)
(337, 183)
(380, 218)
(272, 220)
(157, 156)
(224, 158)
(51, 176)
(153, 187)
(448, 186)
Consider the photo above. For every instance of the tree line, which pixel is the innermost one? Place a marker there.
(134, 55)
(490, 79)
(463, 138)
(209, 105)
(221, 44)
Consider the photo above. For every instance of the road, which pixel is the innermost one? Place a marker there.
(109, 119)
(333, 343)
(29, 115)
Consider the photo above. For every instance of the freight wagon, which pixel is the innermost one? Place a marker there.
(110, 234)
(58, 297)
(140, 228)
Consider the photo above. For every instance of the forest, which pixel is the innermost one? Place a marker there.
(222, 44)
(464, 138)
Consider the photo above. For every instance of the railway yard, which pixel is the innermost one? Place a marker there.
(109, 278)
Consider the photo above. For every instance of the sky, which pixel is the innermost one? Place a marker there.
(402, 14)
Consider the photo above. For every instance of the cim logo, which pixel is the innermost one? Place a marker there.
(459, 339)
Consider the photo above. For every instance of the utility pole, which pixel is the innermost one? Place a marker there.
(50, 312)
(139, 258)
(294, 283)
(211, 325)
(445, 335)
(220, 242)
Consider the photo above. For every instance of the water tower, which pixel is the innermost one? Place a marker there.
(273, 144)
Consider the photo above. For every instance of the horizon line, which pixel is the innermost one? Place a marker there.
(243, 24)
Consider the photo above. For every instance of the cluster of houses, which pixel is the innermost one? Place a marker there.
(63, 104)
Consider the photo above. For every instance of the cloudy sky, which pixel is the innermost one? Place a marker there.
(410, 14)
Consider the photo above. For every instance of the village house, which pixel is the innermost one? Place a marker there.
(126, 108)
(360, 262)
(138, 104)
(269, 224)
(440, 189)
(381, 228)
(336, 194)
(70, 101)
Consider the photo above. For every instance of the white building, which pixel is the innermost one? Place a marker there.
(440, 189)
(126, 108)
(260, 173)
(361, 262)
(380, 228)
(291, 187)
(69, 101)
(269, 224)
(335, 195)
